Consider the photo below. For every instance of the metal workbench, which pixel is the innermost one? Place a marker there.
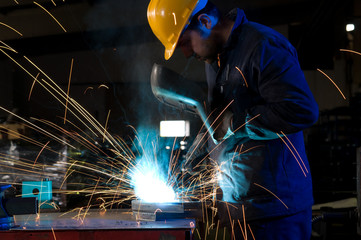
(97, 225)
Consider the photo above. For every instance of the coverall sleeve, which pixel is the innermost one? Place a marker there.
(287, 102)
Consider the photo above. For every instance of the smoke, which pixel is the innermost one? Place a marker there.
(150, 177)
(127, 49)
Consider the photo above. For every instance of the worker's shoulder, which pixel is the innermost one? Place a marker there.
(261, 34)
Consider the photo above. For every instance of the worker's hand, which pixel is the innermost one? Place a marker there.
(196, 150)
(223, 126)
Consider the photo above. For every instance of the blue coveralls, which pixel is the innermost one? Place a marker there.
(263, 167)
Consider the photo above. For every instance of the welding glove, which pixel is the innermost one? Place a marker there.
(223, 126)
(198, 149)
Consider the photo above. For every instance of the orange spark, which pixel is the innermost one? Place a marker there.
(66, 176)
(247, 122)
(40, 153)
(195, 148)
(157, 210)
(53, 3)
(53, 233)
(103, 85)
(244, 232)
(67, 94)
(1, 23)
(351, 51)
(289, 141)
(32, 86)
(250, 230)
(88, 89)
(230, 218)
(332, 82)
(7, 47)
(216, 237)
(50, 15)
(271, 193)
(245, 81)
(240, 227)
(35, 126)
(219, 115)
(88, 206)
(244, 221)
(292, 154)
(232, 230)
(248, 149)
(106, 125)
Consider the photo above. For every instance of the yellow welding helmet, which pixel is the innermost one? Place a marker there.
(168, 18)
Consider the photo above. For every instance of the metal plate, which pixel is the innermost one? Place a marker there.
(95, 219)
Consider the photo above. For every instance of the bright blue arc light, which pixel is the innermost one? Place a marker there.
(150, 186)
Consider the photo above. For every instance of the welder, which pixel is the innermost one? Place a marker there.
(260, 103)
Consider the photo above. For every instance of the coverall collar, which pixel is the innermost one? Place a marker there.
(239, 18)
